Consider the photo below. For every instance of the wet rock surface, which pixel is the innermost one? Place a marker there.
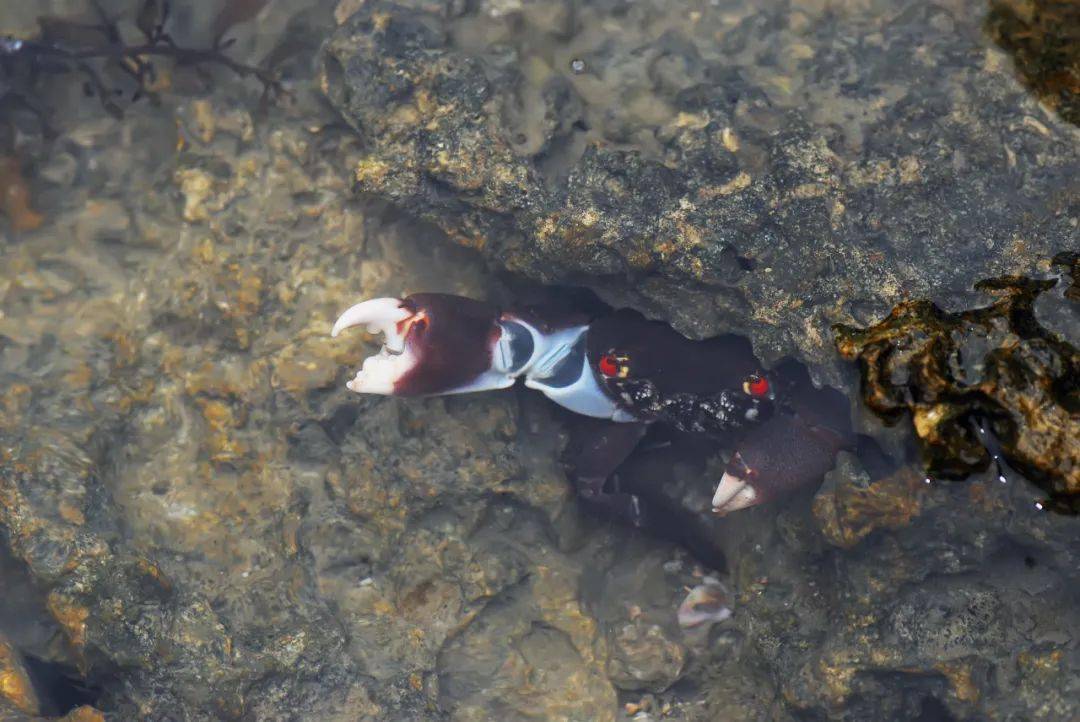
(737, 167)
(212, 526)
(979, 384)
(901, 601)
(1041, 36)
(201, 523)
(18, 691)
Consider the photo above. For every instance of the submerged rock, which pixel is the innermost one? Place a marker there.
(774, 170)
(215, 529)
(1041, 36)
(848, 507)
(644, 657)
(903, 599)
(978, 380)
(16, 691)
(15, 197)
(741, 168)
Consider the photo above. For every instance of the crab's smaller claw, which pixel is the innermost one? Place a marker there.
(784, 454)
(434, 344)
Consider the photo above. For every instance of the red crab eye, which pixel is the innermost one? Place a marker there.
(756, 385)
(609, 365)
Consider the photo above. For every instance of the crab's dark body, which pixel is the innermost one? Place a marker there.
(623, 374)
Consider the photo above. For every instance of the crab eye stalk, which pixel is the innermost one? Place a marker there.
(608, 365)
(757, 386)
(613, 365)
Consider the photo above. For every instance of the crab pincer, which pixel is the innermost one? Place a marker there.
(433, 344)
(793, 449)
(439, 343)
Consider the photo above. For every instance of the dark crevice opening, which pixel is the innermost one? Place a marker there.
(59, 687)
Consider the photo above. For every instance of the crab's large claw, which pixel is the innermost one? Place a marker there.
(783, 455)
(434, 344)
(793, 449)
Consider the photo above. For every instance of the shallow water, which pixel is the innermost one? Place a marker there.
(200, 522)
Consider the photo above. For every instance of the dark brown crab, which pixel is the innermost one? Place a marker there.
(625, 374)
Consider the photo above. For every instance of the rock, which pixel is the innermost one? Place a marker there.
(220, 530)
(1070, 262)
(927, 614)
(976, 380)
(849, 507)
(530, 653)
(16, 690)
(645, 658)
(15, 198)
(1037, 35)
(61, 169)
(747, 170)
(204, 524)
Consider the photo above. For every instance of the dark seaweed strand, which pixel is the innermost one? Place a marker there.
(132, 58)
(133, 53)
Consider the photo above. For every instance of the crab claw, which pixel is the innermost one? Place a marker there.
(378, 315)
(784, 454)
(793, 449)
(736, 489)
(388, 316)
(434, 344)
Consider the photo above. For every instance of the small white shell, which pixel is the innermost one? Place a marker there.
(707, 603)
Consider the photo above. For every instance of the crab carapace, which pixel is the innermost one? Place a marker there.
(624, 373)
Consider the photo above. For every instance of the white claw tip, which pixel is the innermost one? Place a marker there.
(379, 373)
(378, 314)
(732, 493)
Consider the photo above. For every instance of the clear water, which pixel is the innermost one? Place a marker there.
(199, 520)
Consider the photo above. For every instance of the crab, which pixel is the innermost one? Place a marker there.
(622, 375)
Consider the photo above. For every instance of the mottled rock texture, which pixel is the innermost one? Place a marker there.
(1041, 35)
(209, 524)
(203, 524)
(770, 169)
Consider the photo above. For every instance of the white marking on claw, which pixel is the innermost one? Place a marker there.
(584, 396)
(732, 493)
(379, 373)
(378, 315)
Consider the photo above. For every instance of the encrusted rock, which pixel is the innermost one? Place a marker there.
(849, 507)
(214, 529)
(1040, 35)
(16, 689)
(977, 379)
(644, 657)
(744, 170)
